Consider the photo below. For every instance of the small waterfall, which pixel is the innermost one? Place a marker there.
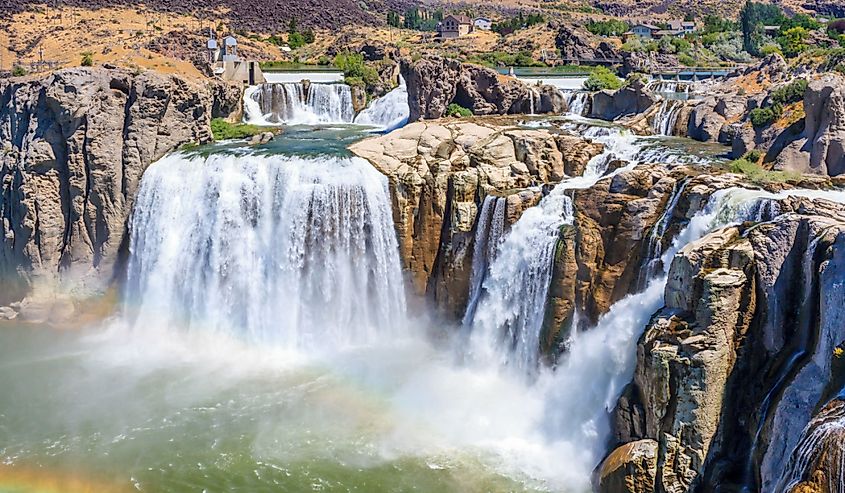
(488, 235)
(298, 104)
(388, 112)
(652, 260)
(822, 446)
(669, 87)
(666, 117)
(299, 253)
(576, 101)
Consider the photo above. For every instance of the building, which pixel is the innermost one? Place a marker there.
(667, 32)
(454, 26)
(230, 49)
(687, 27)
(483, 24)
(645, 30)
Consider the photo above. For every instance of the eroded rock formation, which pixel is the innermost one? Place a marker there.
(74, 146)
(440, 173)
(435, 83)
(729, 371)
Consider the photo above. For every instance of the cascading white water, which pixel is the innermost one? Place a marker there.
(576, 101)
(298, 104)
(508, 318)
(654, 249)
(488, 235)
(294, 252)
(669, 87)
(824, 434)
(667, 117)
(388, 112)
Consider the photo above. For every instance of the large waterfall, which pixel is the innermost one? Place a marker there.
(298, 103)
(283, 250)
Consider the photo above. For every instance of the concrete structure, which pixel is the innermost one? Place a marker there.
(482, 23)
(454, 26)
(245, 72)
(230, 49)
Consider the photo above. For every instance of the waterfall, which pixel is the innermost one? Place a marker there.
(295, 252)
(488, 235)
(822, 441)
(298, 104)
(388, 112)
(669, 87)
(654, 247)
(508, 313)
(666, 117)
(576, 101)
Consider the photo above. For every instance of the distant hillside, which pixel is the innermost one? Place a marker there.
(726, 8)
(249, 15)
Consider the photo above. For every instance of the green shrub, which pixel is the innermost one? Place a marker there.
(458, 111)
(18, 71)
(296, 40)
(612, 27)
(602, 79)
(753, 156)
(686, 60)
(223, 130)
(790, 93)
(770, 48)
(354, 68)
(761, 117)
(636, 79)
(87, 59)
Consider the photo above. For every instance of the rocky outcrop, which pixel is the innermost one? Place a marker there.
(574, 46)
(439, 174)
(730, 369)
(820, 148)
(630, 100)
(74, 146)
(435, 83)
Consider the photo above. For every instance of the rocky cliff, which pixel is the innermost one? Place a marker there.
(729, 371)
(73, 148)
(440, 173)
(434, 83)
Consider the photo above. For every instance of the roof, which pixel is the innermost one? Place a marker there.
(230, 41)
(461, 19)
(667, 32)
(647, 26)
(482, 19)
(680, 25)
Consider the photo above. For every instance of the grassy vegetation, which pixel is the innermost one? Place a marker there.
(355, 71)
(458, 111)
(601, 79)
(223, 130)
(781, 97)
(757, 174)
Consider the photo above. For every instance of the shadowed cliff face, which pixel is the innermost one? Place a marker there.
(74, 146)
(730, 371)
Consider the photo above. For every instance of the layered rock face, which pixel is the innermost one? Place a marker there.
(435, 83)
(74, 146)
(573, 45)
(821, 146)
(630, 100)
(440, 173)
(729, 371)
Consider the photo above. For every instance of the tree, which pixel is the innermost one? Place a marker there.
(792, 41)
(292, 25)
(601, 79)
(296, 40)
(308, 36)
(753, 17)
(87, 59)
(18, 71)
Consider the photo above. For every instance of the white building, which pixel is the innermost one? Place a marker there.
(483, 23)
(230, 49)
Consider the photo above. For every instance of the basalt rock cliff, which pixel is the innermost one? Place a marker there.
(439, 174)
(73, 147)
(435, 83)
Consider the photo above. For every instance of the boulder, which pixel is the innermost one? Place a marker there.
(610, 105)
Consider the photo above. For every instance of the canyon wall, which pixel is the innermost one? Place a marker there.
(74, 146)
